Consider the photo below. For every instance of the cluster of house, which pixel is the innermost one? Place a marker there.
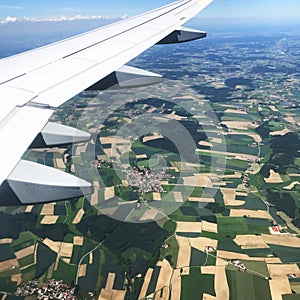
(55, 289)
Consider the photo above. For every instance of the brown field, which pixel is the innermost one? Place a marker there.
(292, 185)
(210, 227)
(239, 125)
(176, 285)
(16, 278)
(208, 297)
(178, 196)
(248, 241)
(25, 252)
(273, 260)
(113, 140)
(94, 197)
(28, 208)
(221, 285)
(208, 270)
(82, 270)
(156, 196)
(49, 220)
(201, 180)
(60, 163)
(109, 192)
(152, 137)
(278, 287)
(174, 116)
(184, 254)
(110, 281)
(194, 227)
(235, 111)
(78, 240)
(48, 209)
(8, 264)
(111, 295)
(149, 214)
(78, 216)
(201, 242)
(282, 240)
(274, 177)
(229, 197)
(261, 214)
(206, 144)
(141, 156)
(66, 249)
(280, 132)
(203, 200)
(52, 245)
(281, 270)
(146, 284)
(165, 274)
(234, 255)
(273, 108)
(5, 241)
(290, 120)
(80, 149)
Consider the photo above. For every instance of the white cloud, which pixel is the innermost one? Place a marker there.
(9, 19)
(52, 19)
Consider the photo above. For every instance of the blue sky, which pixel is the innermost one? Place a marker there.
(223, 9)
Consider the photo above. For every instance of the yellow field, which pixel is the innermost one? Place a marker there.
(292, 185)
(48, 209)
(201, 243)
(184, 254)
(261, 214)
(194, 227)
(210, 227)
(278, 287)
(221, 285)
(165, 274)
(82, 270)
(5, 241)
(149, 214)
(8, 264)
(281, 270)
(49, 220)
(250, 241)
(146, 284)
(25, 252)
(229, 196)
(282, 240)
(176, 285)
(274, 177)
(280, 132)
(201, 180)
(177, 196)
(109, 192)
(78, 216)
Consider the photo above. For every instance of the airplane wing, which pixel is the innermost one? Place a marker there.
(33, 84)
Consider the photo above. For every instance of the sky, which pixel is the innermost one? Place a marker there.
(247, 10)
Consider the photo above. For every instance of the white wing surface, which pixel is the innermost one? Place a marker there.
(33, 84)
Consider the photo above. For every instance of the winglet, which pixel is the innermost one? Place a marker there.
(32, 183)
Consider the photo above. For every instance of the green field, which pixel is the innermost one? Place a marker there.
(247, 286)
(196, 284)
